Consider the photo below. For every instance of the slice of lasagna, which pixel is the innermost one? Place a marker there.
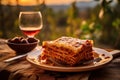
(67, 50)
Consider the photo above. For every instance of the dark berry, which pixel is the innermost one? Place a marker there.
(31, 40)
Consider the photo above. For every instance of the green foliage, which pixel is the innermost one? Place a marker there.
(102, 23)
(116, 25)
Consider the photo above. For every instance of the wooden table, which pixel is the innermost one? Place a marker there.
(22, 70)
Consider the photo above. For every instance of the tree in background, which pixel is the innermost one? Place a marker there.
(116, 25)
(106, 16)
(109, 19)
(102, 22)
(72, 19)
(3, 31)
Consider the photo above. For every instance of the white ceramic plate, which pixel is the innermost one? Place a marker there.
(33, 59)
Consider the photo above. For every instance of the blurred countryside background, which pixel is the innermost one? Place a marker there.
(98, 20)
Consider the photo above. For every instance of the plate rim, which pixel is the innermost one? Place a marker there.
(73, 69)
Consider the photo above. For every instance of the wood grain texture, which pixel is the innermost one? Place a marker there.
(22, 70)
(109, 72)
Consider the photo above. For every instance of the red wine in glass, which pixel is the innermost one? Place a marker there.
(30, 23)
(30, 32)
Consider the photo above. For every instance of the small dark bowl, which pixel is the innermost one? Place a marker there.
(22, 47)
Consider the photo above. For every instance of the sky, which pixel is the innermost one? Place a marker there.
(33, 2)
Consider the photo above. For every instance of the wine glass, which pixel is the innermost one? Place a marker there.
(30, 23)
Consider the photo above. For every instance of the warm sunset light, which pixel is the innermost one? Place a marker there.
(27, 2)
(35, 2)
(20, 2)
(59, 2)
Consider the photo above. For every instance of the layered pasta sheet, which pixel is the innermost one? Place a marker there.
(67, 50)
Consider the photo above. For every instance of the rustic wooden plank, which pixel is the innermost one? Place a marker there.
(5, 51)
(4, 75)
(109, 72)
(23, 70)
